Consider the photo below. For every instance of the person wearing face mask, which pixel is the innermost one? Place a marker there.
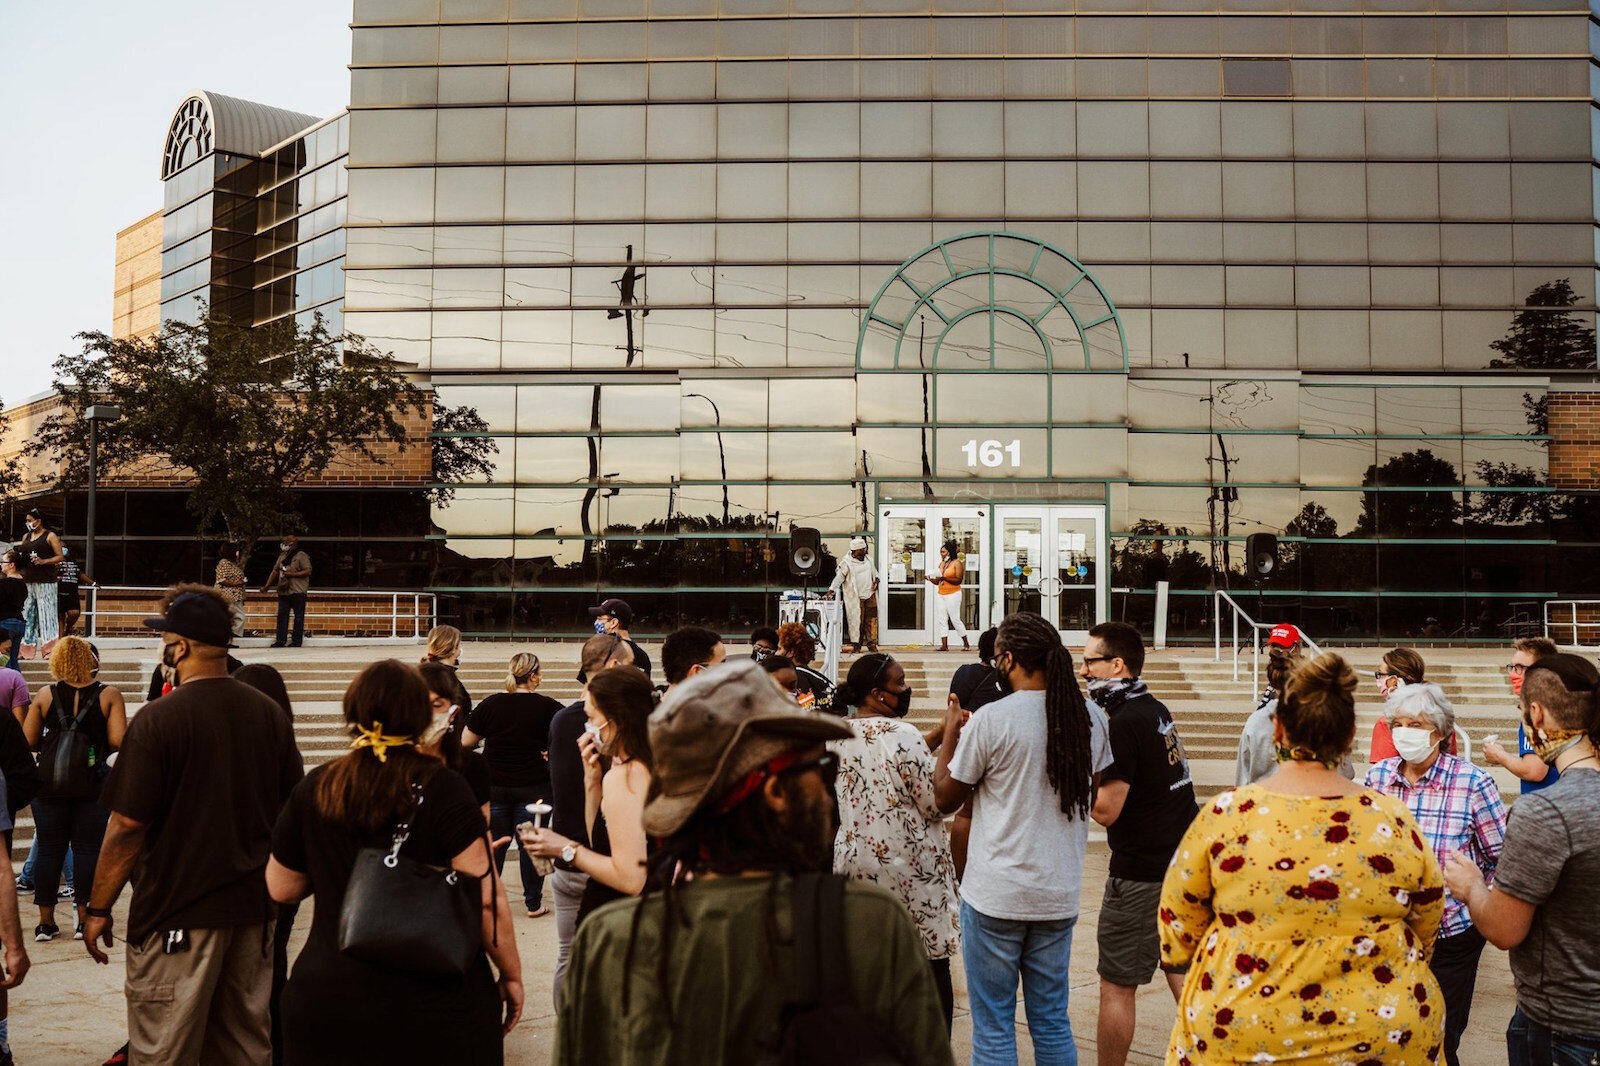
(781, 669)
(1146, 802)
(291, 578)
(197, 787)
(891, 831)
(1542, 905)
(1458, 808)
(615, 616)
(40, 555)
(1400, 667)
(1533, 772)
(616, 775)
(763, 643)
(450, 708)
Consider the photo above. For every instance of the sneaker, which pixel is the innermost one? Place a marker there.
(45, 932)
(276, 644)
(77, 934)
(24, 886)
(65, 892)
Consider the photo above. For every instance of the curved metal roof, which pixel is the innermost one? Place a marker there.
(226, 124)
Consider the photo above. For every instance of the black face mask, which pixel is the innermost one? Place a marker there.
(168, 658)
(761, 654)
(902, 701)
(1002, 680)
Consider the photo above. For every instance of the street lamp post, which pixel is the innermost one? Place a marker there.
(722, 456)
(100, 412)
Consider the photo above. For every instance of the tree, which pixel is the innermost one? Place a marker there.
(240, 415)
(461, 449)
(8, 463)
(1547, 339)
(1416, 513)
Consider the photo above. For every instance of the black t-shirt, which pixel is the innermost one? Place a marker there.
(1146, 753)
(515, 727)
(158, 680)
(640, 659)
(475, 770)
(821, 689)
(976, 685)
(446, 824)
(566, 773)
(207, 767)
(13, 596)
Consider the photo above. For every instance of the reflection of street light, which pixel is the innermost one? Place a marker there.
(100, 412)
(722, 456)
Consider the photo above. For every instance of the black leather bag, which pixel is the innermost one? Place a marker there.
(408, 915)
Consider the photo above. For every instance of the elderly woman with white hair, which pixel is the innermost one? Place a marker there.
(1459, 810)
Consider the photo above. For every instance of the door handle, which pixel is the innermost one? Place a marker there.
(1044, 590)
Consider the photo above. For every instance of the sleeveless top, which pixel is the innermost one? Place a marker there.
(38, 544)
(946, 586)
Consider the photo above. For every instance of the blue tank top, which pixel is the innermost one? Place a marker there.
(1524, 748)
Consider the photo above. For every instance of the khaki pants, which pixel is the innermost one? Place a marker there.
(206, 1005)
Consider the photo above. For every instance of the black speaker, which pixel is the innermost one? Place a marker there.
(805, 551)
(1261, 556)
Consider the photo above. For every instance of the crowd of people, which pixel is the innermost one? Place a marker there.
(755, 863)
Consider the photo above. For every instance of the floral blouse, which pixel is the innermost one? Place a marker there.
(1307, 923)
(891, 832)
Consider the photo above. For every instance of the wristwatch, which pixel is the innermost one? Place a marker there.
(569, 854)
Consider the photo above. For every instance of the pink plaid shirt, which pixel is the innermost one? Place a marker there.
(1458, 807)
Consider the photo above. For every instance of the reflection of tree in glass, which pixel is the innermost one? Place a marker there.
(1143, 562)
(1545, 339)
(461, 449)
(1410, 513)
(1313, 522)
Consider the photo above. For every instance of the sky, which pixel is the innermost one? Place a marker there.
(89, 88)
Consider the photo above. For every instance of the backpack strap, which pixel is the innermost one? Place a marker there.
(834, 961)
(809, 964)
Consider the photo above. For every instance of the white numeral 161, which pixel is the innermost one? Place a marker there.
(992, 452)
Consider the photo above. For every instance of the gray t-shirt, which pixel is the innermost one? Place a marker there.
(1258, 755)
(1025, 856)
(1552, 859)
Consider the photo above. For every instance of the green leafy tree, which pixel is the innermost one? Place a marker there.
(240, 415)
(1410, 513)
(8, 465)
(1546, 339)
(462, 448)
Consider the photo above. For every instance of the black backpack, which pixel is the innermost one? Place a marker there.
(67, 757)
(16, 762)
(820, 1022)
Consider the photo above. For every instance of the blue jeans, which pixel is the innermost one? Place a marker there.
(13, 627)
(1529, 1043)
(58, 823)
(996, 952)
(26, 876)
(505, 811)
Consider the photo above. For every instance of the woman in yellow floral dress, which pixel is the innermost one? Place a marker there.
(1305, 907)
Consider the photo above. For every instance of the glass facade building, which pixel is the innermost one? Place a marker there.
(1095, 290)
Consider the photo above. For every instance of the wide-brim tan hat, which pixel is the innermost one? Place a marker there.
(712, 730)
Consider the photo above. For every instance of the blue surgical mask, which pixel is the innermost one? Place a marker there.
(599, 626)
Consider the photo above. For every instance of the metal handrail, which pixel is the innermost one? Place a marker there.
(1239, 614)
(423, 607)
(1572, 625)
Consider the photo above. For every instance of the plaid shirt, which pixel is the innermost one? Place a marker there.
(1458, 808)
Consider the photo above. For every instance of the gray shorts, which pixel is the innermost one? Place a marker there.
(1130, 945)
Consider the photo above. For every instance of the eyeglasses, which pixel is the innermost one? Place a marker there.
(827, 764)
(1516, 668)
(1380, 675)
(1089, 660)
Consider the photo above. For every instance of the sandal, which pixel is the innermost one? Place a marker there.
(540, 913)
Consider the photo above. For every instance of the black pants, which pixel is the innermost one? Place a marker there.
(280, 974)
(287, 602)
(1455, 964)
(947, 992)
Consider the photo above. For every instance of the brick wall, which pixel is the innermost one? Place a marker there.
(1575, 444)
(136, 288)
(350, 615)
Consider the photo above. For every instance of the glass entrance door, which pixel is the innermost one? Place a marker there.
(1049, 563)
(909, 539)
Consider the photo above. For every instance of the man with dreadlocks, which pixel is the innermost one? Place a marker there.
(1030, 761)
(702, 967)
(1146, 802)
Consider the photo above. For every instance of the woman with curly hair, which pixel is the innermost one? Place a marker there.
(816, 690)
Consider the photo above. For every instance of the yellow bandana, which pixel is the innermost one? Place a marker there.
(380, 743)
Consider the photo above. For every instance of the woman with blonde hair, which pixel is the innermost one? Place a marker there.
(444, 648)
(1305, 906)
(338, 1008)
(67, 810)
(514, 728)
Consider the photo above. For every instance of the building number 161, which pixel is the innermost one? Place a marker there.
(992, 453)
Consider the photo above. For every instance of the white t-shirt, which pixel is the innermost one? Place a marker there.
(1025, 856)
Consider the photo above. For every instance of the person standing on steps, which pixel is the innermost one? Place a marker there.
(856, 583)
(38, 555)
(1146, 802)
(291, 577)
(1533, 772)
(947, 583)
(615, 616)
(13, 598)
(230, 581)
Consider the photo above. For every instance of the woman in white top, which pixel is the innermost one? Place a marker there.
(891, 831)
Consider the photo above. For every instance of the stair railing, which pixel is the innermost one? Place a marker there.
(1239, 618)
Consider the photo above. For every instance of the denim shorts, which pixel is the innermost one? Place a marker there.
(1130, 943)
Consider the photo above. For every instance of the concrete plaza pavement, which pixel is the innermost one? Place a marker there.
(70, 1011)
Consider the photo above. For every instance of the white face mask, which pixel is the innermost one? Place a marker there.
(283, 547)
(1413, 744)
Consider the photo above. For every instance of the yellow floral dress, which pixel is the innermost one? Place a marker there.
(1308, 922)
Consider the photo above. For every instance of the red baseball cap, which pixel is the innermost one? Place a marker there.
(1284, 635)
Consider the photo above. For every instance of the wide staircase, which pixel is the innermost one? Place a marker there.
(1208, 704)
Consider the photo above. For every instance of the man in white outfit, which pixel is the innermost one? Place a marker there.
(857, 584)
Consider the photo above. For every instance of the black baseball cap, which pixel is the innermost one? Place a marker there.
(199, 617)
(618, 609)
